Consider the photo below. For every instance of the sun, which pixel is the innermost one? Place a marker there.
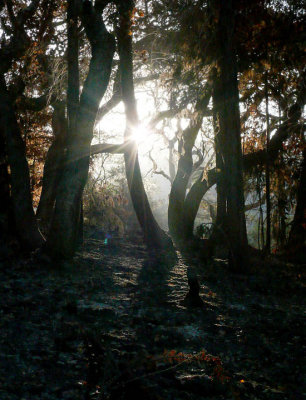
(141, 134)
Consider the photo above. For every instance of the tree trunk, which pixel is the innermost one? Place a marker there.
(297, 236)
(184, 170)
(268, 198)
(191, 205)
(153, 234)
(218, 227)
(226, 103)
(250, 161)
(179, 185)
(24, 216)
(53, 168)
(7, 224)
(63, 236)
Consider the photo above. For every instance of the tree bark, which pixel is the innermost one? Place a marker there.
(154, 236)
(226, 103)
(191, 205)
(268, 198)
(7, 224)
(24, 216)
(53, 167)
(13, 49)
(184, 169)
(250, 161)
(63, 235)
(297, 237)
(218, 228)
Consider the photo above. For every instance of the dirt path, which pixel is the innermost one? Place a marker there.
(111, 325)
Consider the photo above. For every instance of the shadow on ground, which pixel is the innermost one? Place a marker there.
(111, 325)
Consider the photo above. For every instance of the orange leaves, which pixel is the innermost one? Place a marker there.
(143, 55)
(173, 357)
(131, 19)
(137, 12)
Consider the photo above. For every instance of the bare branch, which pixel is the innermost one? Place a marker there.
(249, 207)
(155, 168)
(36, 103)
(164, 175)
(108, 148)
(162, 115)
(117, 97)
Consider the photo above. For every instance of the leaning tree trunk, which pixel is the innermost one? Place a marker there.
(192, 204)
(226, 103)
(26, 225)
(53, 168)
(63, 235)
(154, 236)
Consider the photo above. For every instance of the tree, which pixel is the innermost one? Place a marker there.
(297, 237)
(53, 167)
(153, 234)
(13, 48)
(184, 169)
(62, 238)
(226, 105)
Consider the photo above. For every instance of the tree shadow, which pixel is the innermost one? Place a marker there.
(153, 279)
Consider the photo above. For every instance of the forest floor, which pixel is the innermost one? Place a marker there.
(111, 325)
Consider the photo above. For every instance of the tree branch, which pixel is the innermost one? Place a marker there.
(249, 207)
(108, 148)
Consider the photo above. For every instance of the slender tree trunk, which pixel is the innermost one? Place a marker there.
(221, 185)
(226, 101)
(53, 168)
(171, 160)
(63, 236)
(268, 197)
(80, 238)
(24, 216)
(153, 234)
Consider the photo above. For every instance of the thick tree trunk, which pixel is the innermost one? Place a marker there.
(154, 236)
(25, 220)
(179, 186)
(226, 103)
(63, 236)
(297, 237)
(7, 224)
(53, 168)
